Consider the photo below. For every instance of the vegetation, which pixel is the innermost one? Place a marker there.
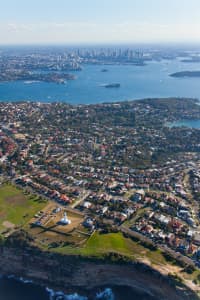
(101, 245)
(17, 207)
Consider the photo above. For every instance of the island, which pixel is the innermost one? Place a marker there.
(112, 85)
(183, 74)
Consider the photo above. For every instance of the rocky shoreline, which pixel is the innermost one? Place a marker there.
(61, 272)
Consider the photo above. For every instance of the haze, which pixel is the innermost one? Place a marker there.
(99, 21)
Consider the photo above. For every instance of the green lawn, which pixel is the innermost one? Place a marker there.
(103, 243)
(100, 244)
(16, 207)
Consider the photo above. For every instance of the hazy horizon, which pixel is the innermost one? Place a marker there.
(99, 22)
(162, 45)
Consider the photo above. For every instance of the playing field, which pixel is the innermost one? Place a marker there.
(16, 208)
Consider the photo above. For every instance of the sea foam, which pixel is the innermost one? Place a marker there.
(106, 294)
(61, 296)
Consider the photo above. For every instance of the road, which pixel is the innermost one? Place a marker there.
(178, 256)
(81, 199)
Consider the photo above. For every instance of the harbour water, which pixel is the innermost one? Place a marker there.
(136, 82)
(186, 123)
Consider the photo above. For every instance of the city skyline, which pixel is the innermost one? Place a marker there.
(66, 22)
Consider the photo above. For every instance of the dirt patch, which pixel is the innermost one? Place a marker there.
(2, 215)
(51, 230)
(8, 224)
(192, 286)
(166, 269)
(13, 200)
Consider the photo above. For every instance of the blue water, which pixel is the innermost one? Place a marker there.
(18, 289)
(186, 123)
(136, 82)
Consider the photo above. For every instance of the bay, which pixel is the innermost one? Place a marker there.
(186, 123)
(137, 82)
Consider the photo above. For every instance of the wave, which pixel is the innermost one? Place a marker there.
(106, 294)
(21, 279)
(25, 280)
(61, 296)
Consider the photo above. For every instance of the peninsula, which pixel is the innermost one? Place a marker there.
(28, 76)
(186, 74)
(102, 185)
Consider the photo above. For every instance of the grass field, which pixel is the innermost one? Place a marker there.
(16, 208)
(100, 244)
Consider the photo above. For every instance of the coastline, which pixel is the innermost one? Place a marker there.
(59, 272)
(86, 88)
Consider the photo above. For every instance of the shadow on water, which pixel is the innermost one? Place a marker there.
(12, 289)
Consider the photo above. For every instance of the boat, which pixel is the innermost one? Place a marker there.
(31, 81)
(104, 70)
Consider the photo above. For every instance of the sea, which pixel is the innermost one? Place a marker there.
(20, 289)
(136, 82)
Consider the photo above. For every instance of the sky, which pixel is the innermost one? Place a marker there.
(99, 21)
